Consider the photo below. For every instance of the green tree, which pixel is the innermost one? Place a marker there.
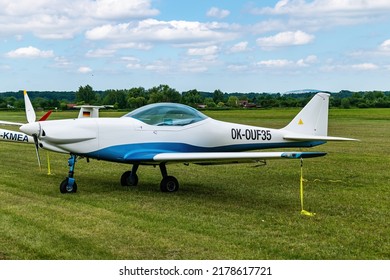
(233, 101)
(85, 94)
(116, 97)
(345, 103)
(192, 97)
(218, 96)
(163, 93)
(136, 102)
(209, 102)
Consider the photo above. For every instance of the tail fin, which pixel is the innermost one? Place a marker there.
(313, 118)
(311, 123)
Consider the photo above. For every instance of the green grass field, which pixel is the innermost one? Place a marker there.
(220, 212)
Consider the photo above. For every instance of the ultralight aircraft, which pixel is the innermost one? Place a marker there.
(162, 133)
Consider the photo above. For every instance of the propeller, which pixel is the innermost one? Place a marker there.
(30, 113)
(31, 118)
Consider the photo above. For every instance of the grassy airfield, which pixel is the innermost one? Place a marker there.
(220, 212)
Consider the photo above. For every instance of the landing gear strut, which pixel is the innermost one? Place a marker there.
(69, 184)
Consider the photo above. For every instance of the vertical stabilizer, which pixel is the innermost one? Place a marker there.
(313, 118)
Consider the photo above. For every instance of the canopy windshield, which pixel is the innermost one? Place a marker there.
(167, 114)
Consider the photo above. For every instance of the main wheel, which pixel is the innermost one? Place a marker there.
(169, 184)
(129, 179)
(65, 188)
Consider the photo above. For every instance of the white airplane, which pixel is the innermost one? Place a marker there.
(162, 133)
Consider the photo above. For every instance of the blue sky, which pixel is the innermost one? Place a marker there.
(234, 46)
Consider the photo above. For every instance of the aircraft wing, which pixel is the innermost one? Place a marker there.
(302, 137)
(232, 157)
(10, 123)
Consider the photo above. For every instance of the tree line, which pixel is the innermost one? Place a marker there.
(138, 96)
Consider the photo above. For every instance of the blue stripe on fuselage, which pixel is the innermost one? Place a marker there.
(144, 152)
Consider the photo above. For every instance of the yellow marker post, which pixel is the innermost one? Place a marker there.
(48, 164)
(303, 212)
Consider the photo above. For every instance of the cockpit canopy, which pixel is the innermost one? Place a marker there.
(167, 114)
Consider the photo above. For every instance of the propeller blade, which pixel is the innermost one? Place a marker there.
(30, 113)
(37, 149)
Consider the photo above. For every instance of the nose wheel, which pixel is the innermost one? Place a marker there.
(69, 184)
(130, 178)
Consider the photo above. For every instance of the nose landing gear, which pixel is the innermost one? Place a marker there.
(69, 184)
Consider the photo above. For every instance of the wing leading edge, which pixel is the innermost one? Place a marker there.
(219, 158)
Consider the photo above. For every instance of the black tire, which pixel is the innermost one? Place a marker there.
(169, 184)
(64, 188)
(129, 179)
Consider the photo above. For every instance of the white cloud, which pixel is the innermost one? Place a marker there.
(114, 9)
(364, 66)
(320, 14)
(30, 52)
(211, 50)
(132, 45)
(132, 62)
(321, 7)
(217, 13)
(63, 19)
(311, 59)
(284, 63)
(385, 46)
(100, 53)
(158, 66)
(61, 62)
(275, 63)
(239, 47)
(152, 30)
(84, 70)
(368, 66)
(283, 39)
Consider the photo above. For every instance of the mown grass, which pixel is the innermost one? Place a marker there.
(220, 212)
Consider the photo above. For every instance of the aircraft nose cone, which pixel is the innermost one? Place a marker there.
(31, 128)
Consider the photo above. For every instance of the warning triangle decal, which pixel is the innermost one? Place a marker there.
(300, 122)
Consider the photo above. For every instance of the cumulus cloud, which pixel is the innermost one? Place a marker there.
(275, 63)
(84, 70)
(100, 53)
(217, 13)
(285, 63)
(365, 66)
(152, 30)
(211, 50)
(30, 52)
(239, 47)
(385, 46)
(282, 39)
(316, 7)
(63, 19)
(319, 14)
(114, 9)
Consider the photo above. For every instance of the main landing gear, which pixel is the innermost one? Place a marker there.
(168, 183)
